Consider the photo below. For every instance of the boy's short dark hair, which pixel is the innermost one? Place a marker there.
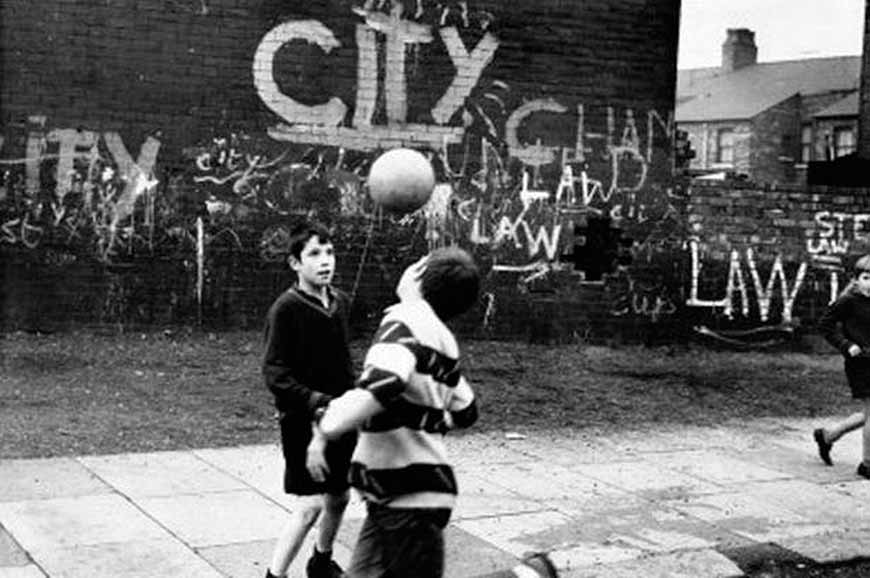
(862, 265)
(450, 282)
(301, 233)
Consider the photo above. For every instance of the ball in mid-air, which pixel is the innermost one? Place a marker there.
(401, 180)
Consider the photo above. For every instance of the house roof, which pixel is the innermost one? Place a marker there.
(748, 91)
(844, 107)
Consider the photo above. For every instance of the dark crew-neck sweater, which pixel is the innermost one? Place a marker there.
(847, 322)
(307, 360)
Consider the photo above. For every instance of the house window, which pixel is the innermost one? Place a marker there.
(725, 146)
(844, 141)
(806, 144)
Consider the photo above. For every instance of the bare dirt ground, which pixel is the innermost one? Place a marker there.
(86, 392)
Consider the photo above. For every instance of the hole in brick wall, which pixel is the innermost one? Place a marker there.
(599, 247)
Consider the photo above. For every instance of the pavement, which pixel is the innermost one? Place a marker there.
(675, 502)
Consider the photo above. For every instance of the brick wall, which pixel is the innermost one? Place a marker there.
(549, 124)
(767, 261)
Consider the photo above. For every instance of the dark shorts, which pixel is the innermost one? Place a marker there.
(400, 543)
(858, 374)
(295, 436)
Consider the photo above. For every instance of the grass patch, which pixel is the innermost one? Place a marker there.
(90, 393)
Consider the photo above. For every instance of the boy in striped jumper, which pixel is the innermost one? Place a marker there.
(409, 395)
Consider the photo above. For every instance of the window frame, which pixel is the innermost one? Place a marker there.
(720, 134)
(841, 150)
(807, 148)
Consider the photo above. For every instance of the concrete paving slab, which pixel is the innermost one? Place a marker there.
(716, 467)
(647, 479)
(541, 481)
(783, 532)
(587, 554)
(28, 571)
(857, 488)
(488, 448)
(38, 479)
(215, 518)
(652, 529)
(684, 438)
(736, 508)
(45, 525)
(599, 504)
(480, 497)
(564, 447)
(261, 467)
(821, 503)
(551, 531)
(11, 553)
(751, 517)
(160, 474)
(250, 559)
(468, 555)
(134, 559)
(834, 547)
(792, 463)
(692, 564)
(244, 560)
(661, 540)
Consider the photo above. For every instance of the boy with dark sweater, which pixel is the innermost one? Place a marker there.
(846, 326)
(411, 392)
(307, 362)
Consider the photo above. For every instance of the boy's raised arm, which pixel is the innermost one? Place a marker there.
(388, 367)
(348, 412)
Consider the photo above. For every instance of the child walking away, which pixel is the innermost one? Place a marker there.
(411, 392)
(846, 326)
(307, 362)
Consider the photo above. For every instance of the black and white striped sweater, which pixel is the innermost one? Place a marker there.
(412, 370)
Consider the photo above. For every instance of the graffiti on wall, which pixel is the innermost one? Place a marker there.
(833, 235)
(73, 183)
(737, 288)
(767, 301)
(536, 204)
(323, 123)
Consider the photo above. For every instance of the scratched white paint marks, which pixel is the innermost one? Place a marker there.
(737, 288)
(96, 187)
(764, 284)
(626, 139)
(324, 123)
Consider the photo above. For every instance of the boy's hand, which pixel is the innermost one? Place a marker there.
(854, 350)
(315, 459)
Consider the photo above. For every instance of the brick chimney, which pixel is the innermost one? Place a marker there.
(739, 49)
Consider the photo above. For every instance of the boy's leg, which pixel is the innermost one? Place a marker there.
(838, 430)
(321, 562)
(866, 449)
(399, 543)
(305, 513)
(334, 506)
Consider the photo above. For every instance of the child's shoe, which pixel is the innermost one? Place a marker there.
(321, 565)
(824, 447)
(863, 471)
(536, 565)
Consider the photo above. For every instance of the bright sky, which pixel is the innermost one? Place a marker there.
(784, 29)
